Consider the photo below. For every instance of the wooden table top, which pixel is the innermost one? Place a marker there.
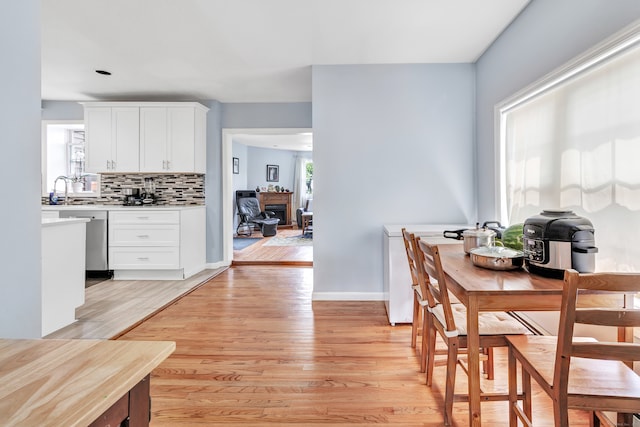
(459, 267)
(70, 382)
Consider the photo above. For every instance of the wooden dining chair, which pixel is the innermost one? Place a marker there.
(580, 373)
(450, 321)
(419, 303)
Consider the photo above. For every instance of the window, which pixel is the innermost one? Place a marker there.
(572, 141)
(308, 167)
(63, 154)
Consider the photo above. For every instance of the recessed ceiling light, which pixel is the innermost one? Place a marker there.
(103, 72)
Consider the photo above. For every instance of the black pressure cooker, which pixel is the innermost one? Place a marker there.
(557, 240)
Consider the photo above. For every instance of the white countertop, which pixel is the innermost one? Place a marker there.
(50, 222)
(117, 207)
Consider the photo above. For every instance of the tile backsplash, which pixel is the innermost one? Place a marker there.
(171, 189)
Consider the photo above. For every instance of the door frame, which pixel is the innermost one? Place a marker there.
(227, 179)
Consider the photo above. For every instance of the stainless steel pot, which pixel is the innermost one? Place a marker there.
(473, 238)
(497, 258)
(477, 238)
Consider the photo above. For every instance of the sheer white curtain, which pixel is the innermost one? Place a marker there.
(577, 146)
(299, 185)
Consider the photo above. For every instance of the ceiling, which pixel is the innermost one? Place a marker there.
(248, 50)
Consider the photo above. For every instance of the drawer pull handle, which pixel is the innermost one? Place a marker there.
(143, 217)
(143, 258)
(143, 236)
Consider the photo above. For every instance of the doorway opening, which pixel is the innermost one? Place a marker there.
(246, 156)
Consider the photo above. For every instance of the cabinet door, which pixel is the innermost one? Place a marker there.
(153, 139)
(125, 139)
(181, 131)
(97, 122)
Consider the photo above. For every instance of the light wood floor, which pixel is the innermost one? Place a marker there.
(258, 254)
(254, 350)
(114, 306)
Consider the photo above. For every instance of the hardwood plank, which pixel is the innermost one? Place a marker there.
(254, 350)
(258, 254)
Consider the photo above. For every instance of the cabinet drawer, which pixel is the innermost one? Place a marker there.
(147, 235)
(144, 217)
(144, 258)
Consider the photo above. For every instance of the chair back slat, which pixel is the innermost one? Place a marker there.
(610, 282)
(430, 268)
(608, 317)
(603, 283)
(606, 351)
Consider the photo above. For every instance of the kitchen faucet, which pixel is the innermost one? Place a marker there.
(66, 188)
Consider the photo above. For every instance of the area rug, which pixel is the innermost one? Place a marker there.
(300, 240)
(240, 243)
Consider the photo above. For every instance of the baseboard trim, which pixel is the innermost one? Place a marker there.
(214, 265)
(348, 296)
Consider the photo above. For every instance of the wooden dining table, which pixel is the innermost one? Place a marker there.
(481, 289)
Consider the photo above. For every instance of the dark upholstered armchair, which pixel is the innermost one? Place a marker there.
(308, 207)
(251, 216)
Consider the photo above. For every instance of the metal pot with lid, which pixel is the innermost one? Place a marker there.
(473, 238)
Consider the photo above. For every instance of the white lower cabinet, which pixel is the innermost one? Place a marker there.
(147, 258)
(155, 245)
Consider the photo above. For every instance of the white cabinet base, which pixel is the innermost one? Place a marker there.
(157, 244)
(63, 264)
(398, 295)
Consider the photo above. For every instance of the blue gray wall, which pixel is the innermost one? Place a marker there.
(258, 160)
(20, 289)
(213, 181)
(62, 110)
(393, 144)
(547, 34)
(267, 115)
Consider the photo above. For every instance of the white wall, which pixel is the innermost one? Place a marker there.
(20, 289)
(393, 144)
(545, 35)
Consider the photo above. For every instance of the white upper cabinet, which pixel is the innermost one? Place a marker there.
(153, 139)
(169, 137)
(112, 136)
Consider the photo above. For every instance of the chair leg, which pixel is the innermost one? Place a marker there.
(425, 344)
(560, 415)
(245, 225)
(415, 324)
(513, 389)
(452, 363)
(526, 392)
(429, 346)
(488, 364)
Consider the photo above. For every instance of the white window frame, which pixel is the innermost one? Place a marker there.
(626, 38)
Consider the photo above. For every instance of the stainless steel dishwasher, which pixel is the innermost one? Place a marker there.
(97, 227)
